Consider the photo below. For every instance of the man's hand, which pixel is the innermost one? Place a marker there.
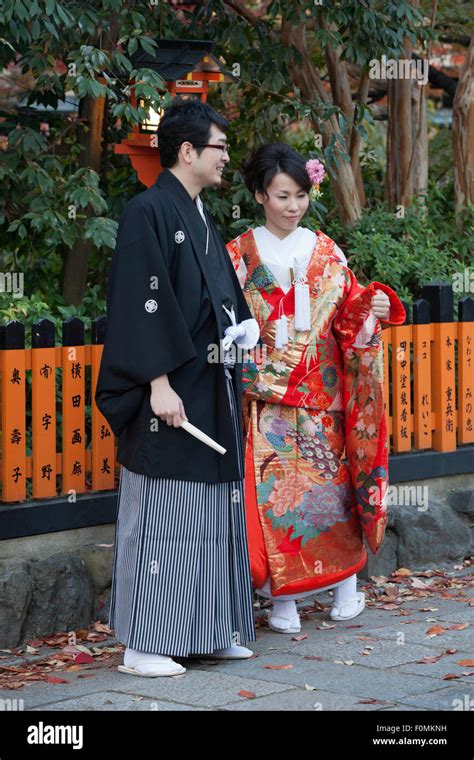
(165, 403)
(380, 305)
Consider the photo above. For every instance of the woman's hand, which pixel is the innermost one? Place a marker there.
(380, 305)
(165, 403)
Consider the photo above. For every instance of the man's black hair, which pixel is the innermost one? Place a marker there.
(186, 121)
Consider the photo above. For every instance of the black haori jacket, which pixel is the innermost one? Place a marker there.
(164, 309)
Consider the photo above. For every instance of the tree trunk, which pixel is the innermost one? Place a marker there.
(91, 112)
(312, 90)
(342, 97)
(407, 140)
(463, 134)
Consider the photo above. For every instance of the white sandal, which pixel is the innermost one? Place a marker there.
(149, 669)
(291, 624)
(337, 610)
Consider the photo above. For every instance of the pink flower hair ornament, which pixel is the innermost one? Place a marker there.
(316, 173)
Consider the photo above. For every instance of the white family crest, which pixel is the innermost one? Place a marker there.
(151, 305)
(179, 236)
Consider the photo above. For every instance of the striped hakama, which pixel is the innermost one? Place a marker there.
(181, 580)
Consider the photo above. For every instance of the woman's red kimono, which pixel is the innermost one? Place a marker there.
(316, 448)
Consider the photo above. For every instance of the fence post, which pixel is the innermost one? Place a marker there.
(443, 377)
(13, 384)
(422, 423)
(103, 444)
(73, 385)
(465, 370)
(43, 409)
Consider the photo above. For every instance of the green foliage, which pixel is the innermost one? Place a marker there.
(60, 48)
(50, 305)
(48, 202)
(407, 253)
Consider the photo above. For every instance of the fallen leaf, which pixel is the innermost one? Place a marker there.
(309, 688)
(429, 659)
(83, 658)
(312, 657)
(390, 606)
(278, 667)
(402, 571)
(247, 694)
(419, 584)
(450, 677)
(372, 702)
(379, 580)
(465, 663)
(458, 627)
(82, 633)
(11, 668)
(300, 638)
(435, 630)
(82, 648)
(73, 650)
(102, 628)
(53, 679)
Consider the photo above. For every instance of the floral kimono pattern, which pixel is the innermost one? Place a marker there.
(316, 445)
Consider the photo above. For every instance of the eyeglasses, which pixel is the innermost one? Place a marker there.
(223, 148)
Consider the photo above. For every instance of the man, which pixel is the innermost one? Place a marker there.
(181, 581)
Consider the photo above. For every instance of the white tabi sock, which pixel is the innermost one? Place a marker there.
(132, 655)
(346, 592)
(285, 609)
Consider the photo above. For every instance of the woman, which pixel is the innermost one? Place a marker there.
(314, 392)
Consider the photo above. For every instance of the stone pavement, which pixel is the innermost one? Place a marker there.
(369, 663)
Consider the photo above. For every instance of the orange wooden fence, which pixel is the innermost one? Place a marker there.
(429, 386)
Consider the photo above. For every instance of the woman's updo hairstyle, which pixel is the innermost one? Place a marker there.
(270, 159)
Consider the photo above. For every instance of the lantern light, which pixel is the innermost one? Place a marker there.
(189, 68)
(152, 123)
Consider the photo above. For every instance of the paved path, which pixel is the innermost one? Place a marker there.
(369, 663)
